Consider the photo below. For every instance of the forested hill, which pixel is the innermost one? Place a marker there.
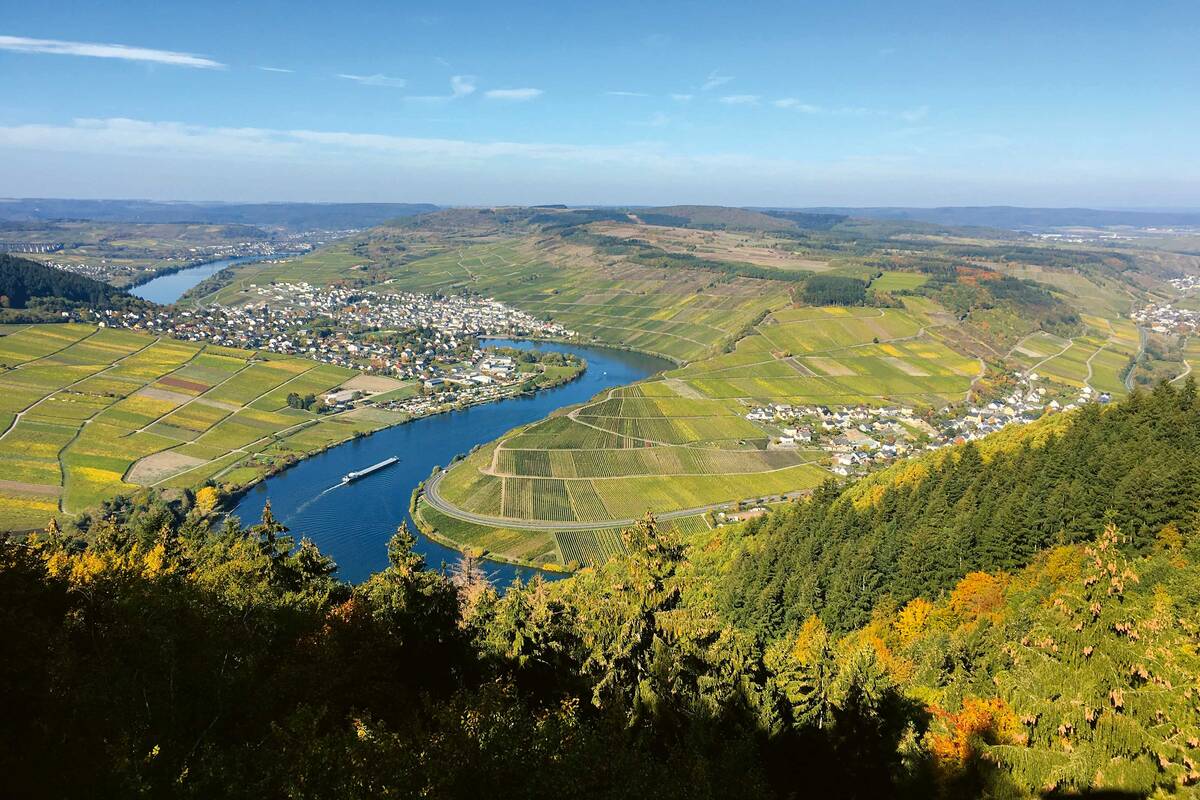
(161, 649)
(917, 528)
(26, 284)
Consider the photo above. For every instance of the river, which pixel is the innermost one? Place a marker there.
(166, 289)
(352, 523)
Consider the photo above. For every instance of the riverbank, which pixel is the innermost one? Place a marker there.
(353, 523)
(167, 285)
(527, 388)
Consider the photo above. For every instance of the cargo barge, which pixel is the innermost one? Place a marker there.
(350, 477)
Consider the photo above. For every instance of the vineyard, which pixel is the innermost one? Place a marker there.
(88, 413)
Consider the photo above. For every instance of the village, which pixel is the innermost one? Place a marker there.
(858, 438)
(1166, 318)
(402, 335)
(481, 378)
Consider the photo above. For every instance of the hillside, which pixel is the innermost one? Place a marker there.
(917, 528)
(1024, 218)
(26, 284)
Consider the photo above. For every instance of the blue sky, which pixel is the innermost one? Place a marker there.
(754, 103)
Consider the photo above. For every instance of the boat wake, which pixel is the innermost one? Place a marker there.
(314, 499)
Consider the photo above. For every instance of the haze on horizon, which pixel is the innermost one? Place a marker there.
(866, 103)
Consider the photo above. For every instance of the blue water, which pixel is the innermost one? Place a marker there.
(166, 289)
(352, 523)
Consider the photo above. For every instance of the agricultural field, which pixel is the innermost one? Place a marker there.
(88, 413)
(760, 248)
(899, 281)
(682, 441)
(1098, 358)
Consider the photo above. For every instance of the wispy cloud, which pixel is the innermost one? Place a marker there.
(230, 154)
(518, 95)
(740, 99)
(276, 69)
(626, 94)
(375, 80)
(460, 86)
(791, 102)
(21, 44)
(172, 139)
(714, 80)
(682, 98)
(657, 120)
(794, 104)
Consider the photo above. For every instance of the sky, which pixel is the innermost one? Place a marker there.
(1048, 103)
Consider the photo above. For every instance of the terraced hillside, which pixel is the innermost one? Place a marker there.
(88, 413)
(679, 314)
(679, 443)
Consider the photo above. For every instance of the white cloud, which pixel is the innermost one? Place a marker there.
(682, 98)
(513, 94)
(740, 99)
(171, 160)
(714, 80)
(794, 104)
(176, 139)
(276, 69)
(21, 44)
(460, 86)
(375, 80)
(626, 94)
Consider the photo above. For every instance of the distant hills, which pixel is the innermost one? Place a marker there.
(296, 216)
(1015, 217)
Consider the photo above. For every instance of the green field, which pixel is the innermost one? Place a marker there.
(898, 281)
(682, 441)
(88, 413)
(1096, 359)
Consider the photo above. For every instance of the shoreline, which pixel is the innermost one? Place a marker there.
(235, 495)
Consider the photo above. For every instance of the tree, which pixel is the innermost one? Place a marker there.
(207, 500)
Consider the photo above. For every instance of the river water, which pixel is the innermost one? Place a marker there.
(166, 289)
(352, 523)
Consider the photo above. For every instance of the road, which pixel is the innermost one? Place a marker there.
(441, 504)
